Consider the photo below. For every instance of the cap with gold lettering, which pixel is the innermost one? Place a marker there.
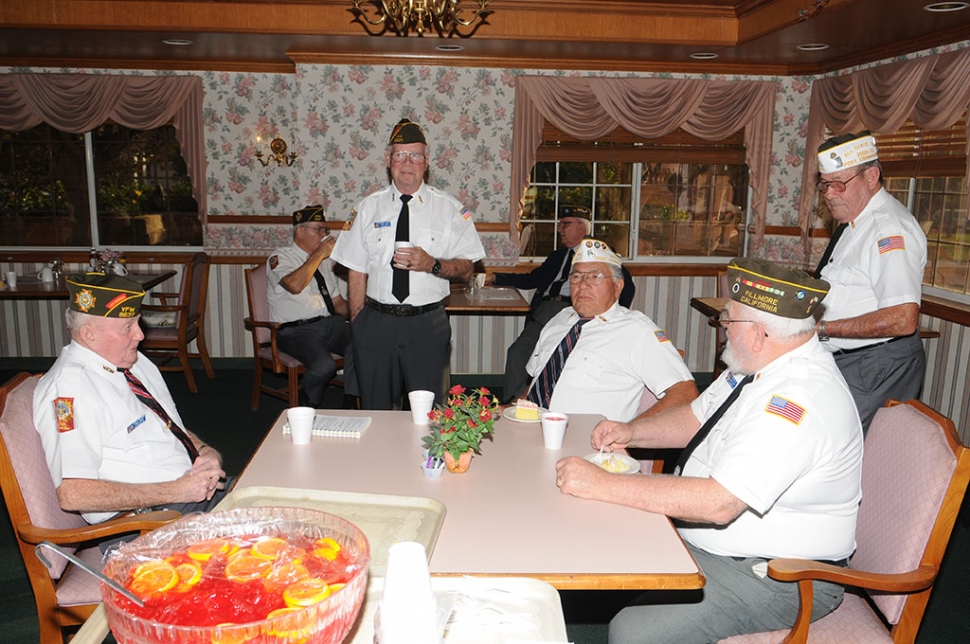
(104, 295)
(407, 131)
(846, 151)
(779, 290)
(310, 213)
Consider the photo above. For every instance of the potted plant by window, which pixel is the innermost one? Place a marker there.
(458, 427)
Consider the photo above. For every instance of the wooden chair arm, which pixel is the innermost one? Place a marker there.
(165, 296)
(135, 522)
(802, 569)
(253, 324)
(158, 308)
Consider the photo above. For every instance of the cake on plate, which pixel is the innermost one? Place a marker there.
(526, 410)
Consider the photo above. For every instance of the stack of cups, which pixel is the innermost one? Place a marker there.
(408, 612)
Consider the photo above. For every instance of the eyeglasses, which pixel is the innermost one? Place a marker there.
(594, 279)
(414, 157)
(317, 229)
(725, 322)
(837, 186)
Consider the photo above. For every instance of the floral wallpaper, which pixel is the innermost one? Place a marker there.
(337, 119)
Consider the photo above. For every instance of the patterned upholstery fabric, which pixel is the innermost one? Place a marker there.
(30, 465)
(77, 587)
(258, 284)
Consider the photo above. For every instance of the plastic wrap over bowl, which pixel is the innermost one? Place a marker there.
(326, 622)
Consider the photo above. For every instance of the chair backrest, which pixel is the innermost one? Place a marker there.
(196, 280)
(257, 285)
(28, 488)
(914, 476)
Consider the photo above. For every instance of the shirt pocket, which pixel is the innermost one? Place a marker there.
(586, 368)
(429, 238)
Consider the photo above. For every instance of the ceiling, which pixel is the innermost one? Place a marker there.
(748, 36)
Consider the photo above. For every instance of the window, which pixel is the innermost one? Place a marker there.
(926, 172)
(678, 195)
(143, 194)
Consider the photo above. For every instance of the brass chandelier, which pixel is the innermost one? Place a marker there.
(404, 16)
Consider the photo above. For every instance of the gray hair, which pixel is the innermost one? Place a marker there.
(75, 320)
(781, 327)
(616, 271)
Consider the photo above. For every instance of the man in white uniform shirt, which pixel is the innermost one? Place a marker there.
(618, 352)
(771, 467)
(402, 246)
(304, 296)
(875, 264)
(108, 449)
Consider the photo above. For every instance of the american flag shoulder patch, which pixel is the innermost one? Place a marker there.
(465, 213)
(895, 242)
(786, 409)
(661, 336)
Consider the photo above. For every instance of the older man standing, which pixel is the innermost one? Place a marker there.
(771, 467)
(304, 296)
(112, 436)
(875, 264)
(402, 246)
(596, 357)
(551, 292)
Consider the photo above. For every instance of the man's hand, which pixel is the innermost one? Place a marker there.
(413, 259)
(202, 481)
(609, 435)
(579, 477)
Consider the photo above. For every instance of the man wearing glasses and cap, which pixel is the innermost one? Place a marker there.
(596, 357)
(304, 296)
(550, 282)
(875, 263)
(112, 436)
(771, 467)
(402, 246)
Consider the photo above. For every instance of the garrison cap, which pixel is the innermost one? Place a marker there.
(104, 295)
(310, 213)
(407, 131)
(779, 290)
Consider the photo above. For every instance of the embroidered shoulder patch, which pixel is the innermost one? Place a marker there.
(465, 213)
(888, 244)
(786, 409)
(661, 336)
(350, 222)
(274, 261)
(64, 412)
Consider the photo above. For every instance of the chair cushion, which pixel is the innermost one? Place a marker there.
(30, 466)
(77, 587)
(158, 319)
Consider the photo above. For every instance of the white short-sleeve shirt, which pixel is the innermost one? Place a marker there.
(308, 303)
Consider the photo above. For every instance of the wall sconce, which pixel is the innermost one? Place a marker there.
(278, 149)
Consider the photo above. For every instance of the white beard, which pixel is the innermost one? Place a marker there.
(733, 361)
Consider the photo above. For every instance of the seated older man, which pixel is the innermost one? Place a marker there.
(112, 436)
(596, 356)
(771, 467)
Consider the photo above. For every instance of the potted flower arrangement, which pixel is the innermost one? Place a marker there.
(457, 428)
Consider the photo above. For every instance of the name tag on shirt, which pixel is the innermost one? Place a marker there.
(382, 224)
(135, 424)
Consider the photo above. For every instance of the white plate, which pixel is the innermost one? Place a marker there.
(509, 412)
(597, 459)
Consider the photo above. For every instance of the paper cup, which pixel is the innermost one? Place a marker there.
(11, 278)
(301, 423)
(408, 608)
(421, 403)
(553, 429)
(46, 274)
(480, 280)
(399, 245)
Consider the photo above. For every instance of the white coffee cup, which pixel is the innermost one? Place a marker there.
(553, 429)
(11, 278)
(119, 269)
(480, 280)
(421, 403)
(402, 244)
(301, 423)
(46, 274)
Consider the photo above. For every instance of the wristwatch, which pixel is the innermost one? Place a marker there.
(821, 332)
(436, 268)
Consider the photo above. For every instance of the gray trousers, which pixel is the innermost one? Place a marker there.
(890, 370)
(735, 600)
(312, 344)
(517, 379)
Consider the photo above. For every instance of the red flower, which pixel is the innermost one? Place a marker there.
(471, 423)
(449, 413)
(484, 390)
(485, 415)
(485, 401)
(456, 390)
(433, 414)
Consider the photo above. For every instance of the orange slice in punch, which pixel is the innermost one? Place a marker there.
(190, 573)
(268, 548)
(285, 574)
(247, 568)
(203, 550)
(327, 542)
(153, 576)
(306, 593)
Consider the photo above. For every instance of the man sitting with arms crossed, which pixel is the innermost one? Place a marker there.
(613, 352)
(770, 469)
(303, 295)
(113, 438)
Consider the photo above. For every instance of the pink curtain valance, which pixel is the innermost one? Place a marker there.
(589, 108)
(78, 103)
(933, 91)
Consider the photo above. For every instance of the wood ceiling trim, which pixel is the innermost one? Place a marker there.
(152, 64)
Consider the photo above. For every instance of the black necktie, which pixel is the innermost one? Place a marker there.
(149, 401)
(401, 286)
(828, 249)
(541, 391)
(322, 285)
(709, 425)
(556, 287)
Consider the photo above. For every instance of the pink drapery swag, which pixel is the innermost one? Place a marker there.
(933, 91)
(77, 103)
(589, 108)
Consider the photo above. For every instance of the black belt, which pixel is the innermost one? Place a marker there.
(557, 298)
(841, 563)
(287, 325)
(402, 310)
(845, 352)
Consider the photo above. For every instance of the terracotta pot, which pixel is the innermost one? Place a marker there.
(461, 465)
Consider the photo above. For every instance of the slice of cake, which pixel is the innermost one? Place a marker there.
(526, 409)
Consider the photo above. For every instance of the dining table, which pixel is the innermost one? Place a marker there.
(31, 287)
(493, 300)
(505, 516)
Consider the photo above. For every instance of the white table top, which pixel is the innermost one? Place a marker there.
(505, 516)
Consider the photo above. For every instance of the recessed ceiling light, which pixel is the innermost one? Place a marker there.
(449, 47)
(703, 55)
(813, 46)
(943, 7)
(177, 42)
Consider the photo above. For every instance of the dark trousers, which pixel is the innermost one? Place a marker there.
(395, 355)
(517, 379)
(312, 344)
